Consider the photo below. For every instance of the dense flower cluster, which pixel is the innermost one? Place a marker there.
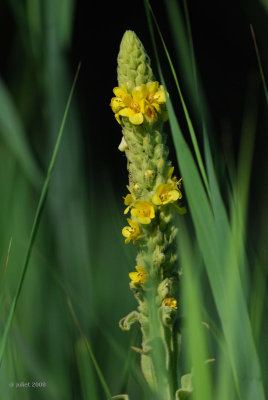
(142, 213)
(144, 103)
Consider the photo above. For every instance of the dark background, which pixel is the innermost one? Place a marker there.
(224, 51)
(227, 64)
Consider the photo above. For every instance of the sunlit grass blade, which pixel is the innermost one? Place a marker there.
(86, 372)
(210, 245)
(90, 352)
(36, 222)
(196, 340)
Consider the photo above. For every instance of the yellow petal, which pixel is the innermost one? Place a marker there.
(174, 195)
(156, 200)
(160, 95)
(120, 92)
(170, 172)
(127, 210)
(133, 276)
(125, 232)
(140, 270)
(160, 188)
(128, 199)
(150, 114)
(152, 213)
(128, 100)
(157, 107)
(135, 212)
(139, 92)
(126, 112)
(152, 86)
(144, 220)
(142, 105)
(116, 104)
(136, 119)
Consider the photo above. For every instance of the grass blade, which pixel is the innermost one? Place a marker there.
(187, 116)
(90, 352)
(223, 273)
(259, 63)
(37, 218)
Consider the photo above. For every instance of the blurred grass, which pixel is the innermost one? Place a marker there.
(79, 250)
(222, 248)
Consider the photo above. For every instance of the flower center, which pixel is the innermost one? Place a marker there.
(135, 106)
(145, 213)
(150, 98)
(164, 196)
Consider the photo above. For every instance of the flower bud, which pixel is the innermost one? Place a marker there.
(133, 62)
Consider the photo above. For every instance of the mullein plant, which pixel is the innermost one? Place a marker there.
(152, 201)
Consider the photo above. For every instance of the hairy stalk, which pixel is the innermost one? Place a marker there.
(152, 201)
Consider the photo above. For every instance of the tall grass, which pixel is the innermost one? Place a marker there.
(75, 345)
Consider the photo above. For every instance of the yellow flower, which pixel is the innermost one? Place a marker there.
(155, 96)
(144, 102)
(128, 201)
(131, 232)
(139, 277)
(173, 179)
(143, 211)
(166, 193)
(117, 103)
(128, 105)
(170, 302)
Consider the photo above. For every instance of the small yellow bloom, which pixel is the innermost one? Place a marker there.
(139, 277)
(118, 102)
(155, 96)
(128, 105)
(131, 232)
(143, 211)
(173, 179)
(170, 302)
(166, 193)
(149, 173)
(145, 101)
(128, 201)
